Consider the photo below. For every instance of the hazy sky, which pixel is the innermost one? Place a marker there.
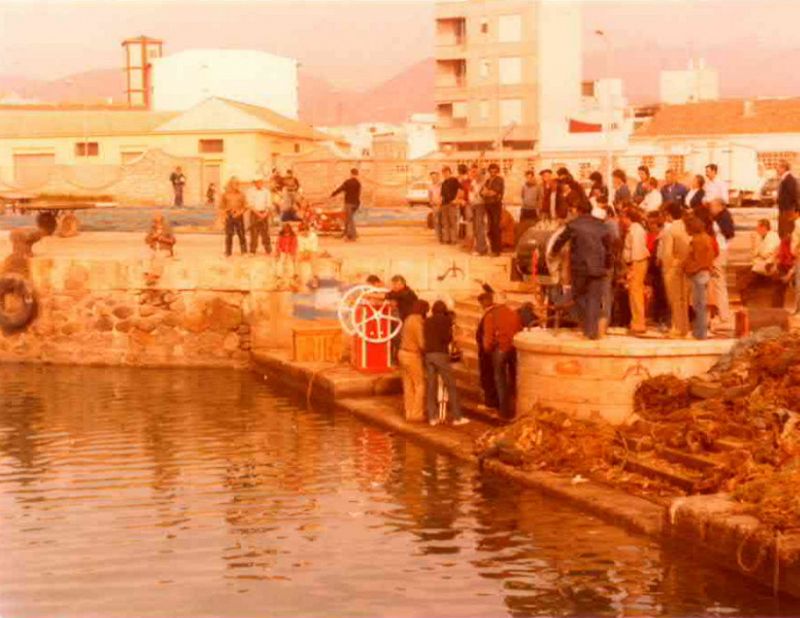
(357, 44)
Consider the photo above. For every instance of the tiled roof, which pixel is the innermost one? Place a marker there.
(287, 126)
(725, 118)
(78, 122)
(69, 121)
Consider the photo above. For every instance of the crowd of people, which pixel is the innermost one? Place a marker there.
(659, 254)
(467, 208)
(425, 350)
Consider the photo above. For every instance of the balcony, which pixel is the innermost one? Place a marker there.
(451, 116)
(451, 74)
(451, 32)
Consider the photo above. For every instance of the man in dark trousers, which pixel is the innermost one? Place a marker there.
(352, 202)
(787, 199)
(178, 180)
(590, 261)
(492, 194)
(499, 325)
(490, 400)
(450, 203)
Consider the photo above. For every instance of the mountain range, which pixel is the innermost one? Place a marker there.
(321, 103)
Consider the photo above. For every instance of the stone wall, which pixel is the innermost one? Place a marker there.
(137, 327)
(139, 312)
(206, 310)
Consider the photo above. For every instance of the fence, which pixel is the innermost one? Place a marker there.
(144, 180)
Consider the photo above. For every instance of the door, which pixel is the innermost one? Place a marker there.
(212, 172)
(33, 170)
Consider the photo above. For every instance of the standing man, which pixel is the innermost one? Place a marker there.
(636, 256)
(590, 261)
(643, 186)
(178, 180)
(352, 202)
(492, 193)
(674, 249)
(673, 191)
(258, 200)
(723, 229)
(291, 187)
(787, 199)
(234, 205)
(531, 198)
(622, 194)
(500, 325)
(450, 203)
(435, 200)
(478, 209)
(714, 187)
(550, 196)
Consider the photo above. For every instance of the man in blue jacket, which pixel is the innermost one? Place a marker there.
(590, 261)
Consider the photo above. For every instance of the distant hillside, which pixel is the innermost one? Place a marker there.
(321, 103)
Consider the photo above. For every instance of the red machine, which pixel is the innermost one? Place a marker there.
(371, 321)
(372, 350)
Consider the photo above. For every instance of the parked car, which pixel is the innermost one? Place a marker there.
(769, 192)
(417, 194)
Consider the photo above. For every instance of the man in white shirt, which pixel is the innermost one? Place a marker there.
(765, 250)
(653, 199)
(764, 269)
(636, 256)
(435, 199)
(258, 201)
(715, 187)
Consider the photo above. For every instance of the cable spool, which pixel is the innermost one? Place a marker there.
(364, 296)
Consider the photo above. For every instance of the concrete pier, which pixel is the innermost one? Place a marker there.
(563, 370)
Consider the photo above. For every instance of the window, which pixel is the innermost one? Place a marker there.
(207, 146)
(510, 70)
(484, 68)
(484, 25)
(649, 161)
(509, 28)
(297, 148)
(510, 112)
(677, 163)
(87, 149)
(129, 156)
(483, 110)
(770, 159)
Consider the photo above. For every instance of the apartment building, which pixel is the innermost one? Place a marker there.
(506, 70)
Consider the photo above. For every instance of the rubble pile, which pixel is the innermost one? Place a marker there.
(546, 439)
(744, 416)
(735, 429)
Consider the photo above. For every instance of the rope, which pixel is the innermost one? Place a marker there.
(762, 552)
(776, 566)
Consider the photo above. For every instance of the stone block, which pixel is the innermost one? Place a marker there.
(122, 312)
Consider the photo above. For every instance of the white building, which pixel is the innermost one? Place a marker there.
(697, 83)
(745, 138)
(418, 133)
(182, 80)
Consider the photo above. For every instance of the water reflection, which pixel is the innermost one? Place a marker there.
(205, 493)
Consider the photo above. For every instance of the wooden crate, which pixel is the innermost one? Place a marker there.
(319, 342)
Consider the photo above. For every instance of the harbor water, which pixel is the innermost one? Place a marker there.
(128, 492)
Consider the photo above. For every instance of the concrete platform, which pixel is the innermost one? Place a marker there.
(588, 378)
(329, 381)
